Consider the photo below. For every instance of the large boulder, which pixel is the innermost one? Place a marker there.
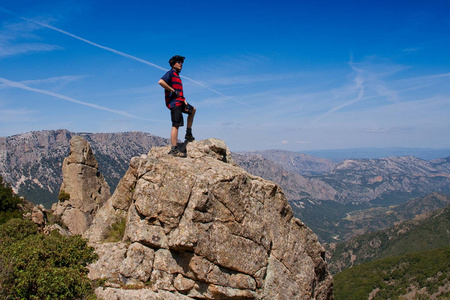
(203, 228)
(84, 186)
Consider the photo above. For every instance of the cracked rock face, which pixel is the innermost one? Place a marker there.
(201, 227)
(87, 188)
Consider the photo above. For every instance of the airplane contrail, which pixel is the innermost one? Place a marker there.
(359, 85)
(27, 88)
(117, 52)
(121, 54)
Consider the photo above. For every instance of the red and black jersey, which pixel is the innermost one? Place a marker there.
(172, 78)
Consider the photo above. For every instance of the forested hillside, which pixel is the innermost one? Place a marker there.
(424, 232)
(420, 275)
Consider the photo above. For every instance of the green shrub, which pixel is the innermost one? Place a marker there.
(36, 266)
(8, 203)
(63, 196)
(15, 230)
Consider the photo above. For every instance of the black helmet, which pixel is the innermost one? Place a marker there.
(175, 58)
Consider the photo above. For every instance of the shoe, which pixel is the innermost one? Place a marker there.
(176, 152)
(189, 137)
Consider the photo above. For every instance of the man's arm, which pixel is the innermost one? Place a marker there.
(166, 86)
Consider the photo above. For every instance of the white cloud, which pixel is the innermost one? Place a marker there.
(7, 49)
(66, 98)
(18, 38)
(16, 115)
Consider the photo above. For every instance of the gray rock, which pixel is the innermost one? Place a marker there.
(139, 294)
(203, 227)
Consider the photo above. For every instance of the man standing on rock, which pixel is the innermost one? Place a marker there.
(176, 102)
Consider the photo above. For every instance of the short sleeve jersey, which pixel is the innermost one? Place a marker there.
(172, 78)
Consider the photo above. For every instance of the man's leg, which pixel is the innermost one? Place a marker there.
(174, 151)
(174, 136)
(190, 120)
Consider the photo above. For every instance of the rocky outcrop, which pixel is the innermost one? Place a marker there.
(83, 191)
(203, 228)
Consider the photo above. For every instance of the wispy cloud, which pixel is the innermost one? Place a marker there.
(122, 54)
(368, 83)
(59, 96)
(12, 36)
(9, 49)
(15, 115)
(59, 80)
(358, 87)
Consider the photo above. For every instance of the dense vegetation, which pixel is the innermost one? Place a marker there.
(421, 234)
(9, 203)
(36, 266)
(423, 272)
(336, 222)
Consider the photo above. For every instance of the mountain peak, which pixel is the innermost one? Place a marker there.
(202, 227)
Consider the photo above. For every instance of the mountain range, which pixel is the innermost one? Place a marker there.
(32, 162)
(338, 155)
(322, 193)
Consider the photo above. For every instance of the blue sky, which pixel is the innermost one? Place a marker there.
(293, 75)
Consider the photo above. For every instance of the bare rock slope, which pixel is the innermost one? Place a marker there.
(202, 228)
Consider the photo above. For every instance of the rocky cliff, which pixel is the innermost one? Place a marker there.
(203, 228)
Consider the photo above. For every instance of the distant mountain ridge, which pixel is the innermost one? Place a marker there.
(387, 181)
(32, 162)
(294, 161)
(337, 155)
(383, 181)
(295, 185)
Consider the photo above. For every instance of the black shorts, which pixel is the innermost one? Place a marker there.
(177, 112)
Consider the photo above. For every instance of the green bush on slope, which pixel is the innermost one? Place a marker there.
(36, 266)
(9, 202)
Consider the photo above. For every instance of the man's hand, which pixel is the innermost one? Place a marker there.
(176, 93)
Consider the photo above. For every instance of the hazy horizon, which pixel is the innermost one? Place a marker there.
(335, 154)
